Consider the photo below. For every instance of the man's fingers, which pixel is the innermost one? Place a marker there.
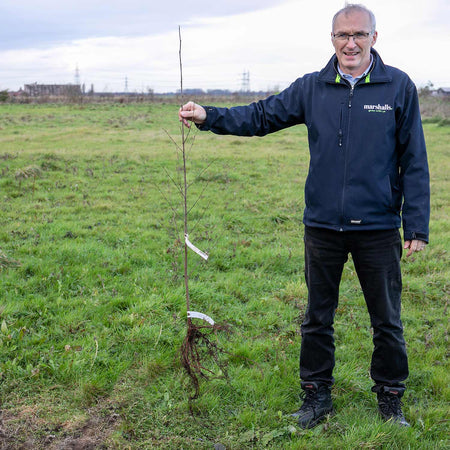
(187, 114)
(415, 245)
(187, 111)
(186, 123)
(192, 112)
(408, 246)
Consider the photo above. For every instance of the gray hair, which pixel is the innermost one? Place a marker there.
(351, 7)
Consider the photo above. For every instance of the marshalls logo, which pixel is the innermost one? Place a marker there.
(378, 108)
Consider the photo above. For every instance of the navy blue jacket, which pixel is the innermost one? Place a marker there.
(368, 163)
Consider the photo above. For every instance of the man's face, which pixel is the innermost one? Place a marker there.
(353, 55)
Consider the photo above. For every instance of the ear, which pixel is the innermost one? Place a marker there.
(374, 38)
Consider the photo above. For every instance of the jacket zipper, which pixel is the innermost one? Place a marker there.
(340, 132)
(350, 98)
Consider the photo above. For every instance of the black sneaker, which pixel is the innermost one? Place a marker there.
(316, 404)
(389, 404)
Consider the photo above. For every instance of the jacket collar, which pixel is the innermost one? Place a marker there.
(378, 72)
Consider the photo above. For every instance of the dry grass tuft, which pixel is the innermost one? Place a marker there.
(6, 262)
(434, 107)
(28, 172)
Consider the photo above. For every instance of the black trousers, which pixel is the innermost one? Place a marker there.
(376, 255)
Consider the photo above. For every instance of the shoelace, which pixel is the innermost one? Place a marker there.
(309, 399)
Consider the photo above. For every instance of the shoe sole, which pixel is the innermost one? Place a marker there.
(315, 422)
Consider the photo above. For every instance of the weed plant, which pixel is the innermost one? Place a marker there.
(92, 307)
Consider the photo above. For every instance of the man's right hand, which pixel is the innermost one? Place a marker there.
(192, 112)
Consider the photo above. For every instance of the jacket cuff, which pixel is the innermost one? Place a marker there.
(211, 115)
(410, 235)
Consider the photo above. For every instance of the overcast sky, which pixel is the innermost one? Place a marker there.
(276, 41)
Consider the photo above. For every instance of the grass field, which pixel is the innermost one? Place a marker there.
(92, 306)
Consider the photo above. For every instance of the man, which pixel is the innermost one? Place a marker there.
(368, 173)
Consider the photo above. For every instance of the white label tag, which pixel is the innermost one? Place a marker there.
(194, 248)
(199, 315)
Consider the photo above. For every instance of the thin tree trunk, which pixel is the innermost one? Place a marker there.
(183, 150)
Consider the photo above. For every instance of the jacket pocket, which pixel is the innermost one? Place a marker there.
(392, 194)
(396, 198)
(387, 191)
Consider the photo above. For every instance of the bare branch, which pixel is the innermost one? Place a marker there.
(169, 204)
(203, 171)
(201, 216)
(199, 197)
(173, 140)
(180, 188)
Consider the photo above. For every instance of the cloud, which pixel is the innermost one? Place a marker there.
(29, 23)
(275, 44)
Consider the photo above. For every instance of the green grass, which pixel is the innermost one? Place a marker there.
(92, 307)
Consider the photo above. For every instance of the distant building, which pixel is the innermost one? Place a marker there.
(37, 90)
(443, 92)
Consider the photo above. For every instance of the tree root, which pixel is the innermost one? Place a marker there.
(197, 351)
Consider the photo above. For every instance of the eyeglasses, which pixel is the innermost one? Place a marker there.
(361, 36)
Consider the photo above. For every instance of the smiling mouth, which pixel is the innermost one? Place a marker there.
(351, 53)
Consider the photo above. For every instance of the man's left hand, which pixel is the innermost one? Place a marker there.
(416, 245)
